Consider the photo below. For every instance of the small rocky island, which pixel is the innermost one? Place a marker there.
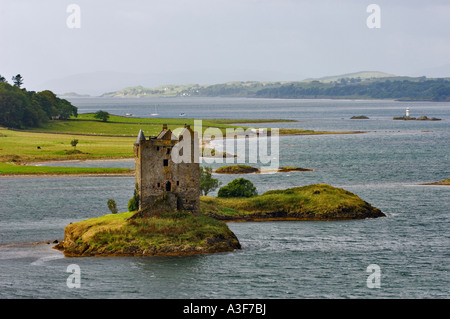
(247, 169)
(169, 234)
(420, 118)
(285, 169)
(407, 117)
(237, 169)
(359, 117)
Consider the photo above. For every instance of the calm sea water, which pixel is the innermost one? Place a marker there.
(385, 166)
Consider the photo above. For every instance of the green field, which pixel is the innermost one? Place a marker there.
(19, 146)
(130, 126)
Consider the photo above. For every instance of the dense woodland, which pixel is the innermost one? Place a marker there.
(21, 108)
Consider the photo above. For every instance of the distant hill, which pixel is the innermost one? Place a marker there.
(72, 94)
(359, 85)
(362, 75)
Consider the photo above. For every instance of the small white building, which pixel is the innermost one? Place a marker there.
(407, 112)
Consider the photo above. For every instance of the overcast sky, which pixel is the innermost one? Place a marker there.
(212, 41)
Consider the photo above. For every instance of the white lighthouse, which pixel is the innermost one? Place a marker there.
(407, 112)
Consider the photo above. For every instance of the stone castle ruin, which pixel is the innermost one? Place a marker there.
(167, 171)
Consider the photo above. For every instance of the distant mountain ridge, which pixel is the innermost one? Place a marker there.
(354, 75)
(358, 85)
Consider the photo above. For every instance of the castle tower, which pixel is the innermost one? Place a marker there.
(157, 173)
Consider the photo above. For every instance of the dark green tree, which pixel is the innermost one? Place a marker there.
(102, 115)
(17, 80)
(2, 79)
(207, 182)
(74, 143)
(240, 187)
(133, 203)
(112, 206)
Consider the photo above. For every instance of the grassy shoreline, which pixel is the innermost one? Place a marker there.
(13, 170)
(98, 140)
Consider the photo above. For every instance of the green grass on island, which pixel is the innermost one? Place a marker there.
(175, 233)
(313, 202)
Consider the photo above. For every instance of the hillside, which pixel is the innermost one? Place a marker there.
(361, 75)
(360, 85)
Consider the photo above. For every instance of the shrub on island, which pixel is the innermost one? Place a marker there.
(240, 187)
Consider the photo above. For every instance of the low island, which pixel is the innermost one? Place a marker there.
(237, 169)
(443, 182)
(285, 169)
(182, 233)
(169, 234)
(247, 169)
(312, 202)
(359, 117)
(420, 118)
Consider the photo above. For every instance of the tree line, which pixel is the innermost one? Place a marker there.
(21, 108)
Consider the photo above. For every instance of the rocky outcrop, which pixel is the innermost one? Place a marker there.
(359, 117)
(285, 169)
(420, 118)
